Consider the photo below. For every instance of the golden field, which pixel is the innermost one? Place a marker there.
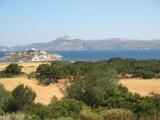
(46, 93)
(141, 86)
(27, 67)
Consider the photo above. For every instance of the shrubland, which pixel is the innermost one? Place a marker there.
(94, 92)
(50, 73)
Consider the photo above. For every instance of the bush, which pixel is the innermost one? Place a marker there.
(17, 116)
(32, 75)
(64, 118)
(3, 95)
(10, 105)
(144, 108)
(118, 114)
(11, 70)
(144, 74)
(155, 116)
(87, 114)
(122, 99)
(39, 110)
(21, 97)
(56, 110)
(155, 99)
(111, 114)
(65, 108)
(1, 112)
(13, 117)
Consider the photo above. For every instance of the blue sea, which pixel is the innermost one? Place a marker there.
(85, 55)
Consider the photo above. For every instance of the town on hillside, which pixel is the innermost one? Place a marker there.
(31, 55)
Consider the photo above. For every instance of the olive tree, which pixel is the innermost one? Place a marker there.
(93, 88)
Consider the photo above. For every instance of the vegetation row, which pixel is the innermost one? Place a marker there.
(94, 92)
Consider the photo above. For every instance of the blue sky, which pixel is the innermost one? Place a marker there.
(28, 21)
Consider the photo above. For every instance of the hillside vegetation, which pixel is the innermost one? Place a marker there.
(93, 93)
(125, 68)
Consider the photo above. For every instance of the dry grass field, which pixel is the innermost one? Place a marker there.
(27, 67)
(141, 86)
(46, 93)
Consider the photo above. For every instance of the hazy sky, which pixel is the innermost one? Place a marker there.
(28, 21)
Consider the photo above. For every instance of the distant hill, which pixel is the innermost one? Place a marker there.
(64, 43)
(3, 48)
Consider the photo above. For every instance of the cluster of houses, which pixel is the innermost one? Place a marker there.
(32, 55)
(46, 57)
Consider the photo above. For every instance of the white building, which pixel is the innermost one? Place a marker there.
(35, 58)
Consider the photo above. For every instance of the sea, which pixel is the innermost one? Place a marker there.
(95, 55)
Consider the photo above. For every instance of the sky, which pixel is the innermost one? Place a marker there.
(31, 21)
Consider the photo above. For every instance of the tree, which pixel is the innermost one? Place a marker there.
(47, 74)
(144, 74)
(96, 86)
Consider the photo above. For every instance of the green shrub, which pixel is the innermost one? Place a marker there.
(3, 95)
(144, 107)
(21, 97)
(39, 110)
(12, 69)
(122, 99)
(64, 118)
(144, 74)
(118, 114)
(155, 99)
(10, 105)
(65, 108)
(1, 112)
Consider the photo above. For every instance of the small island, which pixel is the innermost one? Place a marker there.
(31, 55)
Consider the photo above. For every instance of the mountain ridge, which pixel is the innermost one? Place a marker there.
(96, 44)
